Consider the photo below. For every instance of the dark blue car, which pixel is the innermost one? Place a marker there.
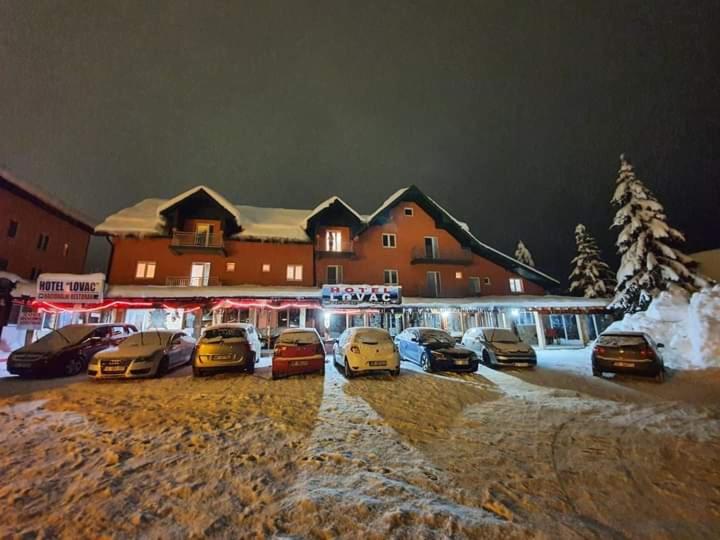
(434, 350)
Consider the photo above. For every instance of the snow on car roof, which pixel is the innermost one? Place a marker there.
(228, 325)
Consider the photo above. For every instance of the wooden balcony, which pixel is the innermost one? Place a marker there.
(194, 242)
(456, 256)
(346, 250)
(186, 281)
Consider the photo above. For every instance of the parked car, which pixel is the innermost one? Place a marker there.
(499, 347)
(67, 350)
(365, 350)
(628, 352)
(146, 354)
(226, 347)
(298, 350)
(434, 350)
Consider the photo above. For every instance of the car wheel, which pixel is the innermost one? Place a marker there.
(660, 377)
(596, 373)
(162, 367)
(251, 367)
(348, 372)
(486, 358)
(190, 358)
(197, 372)
(395, 372)
(74, 366)
(426, 363)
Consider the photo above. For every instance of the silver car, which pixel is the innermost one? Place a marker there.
(146, 354)
(499, 347)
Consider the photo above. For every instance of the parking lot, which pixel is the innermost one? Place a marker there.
(552, 452)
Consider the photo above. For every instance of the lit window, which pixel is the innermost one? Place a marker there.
(145, 270)
(294, 272)
(265, 267)
(475, 285)
(458, 275)
(333, 241)
(390, 277)
(66, 249)
(389, 240)
(408, 211)
(229, 266)
(334, 274)
(486, 281)
(516, 285)
(12, 229)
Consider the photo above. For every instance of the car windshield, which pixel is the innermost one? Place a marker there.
(220, 334)
(501, 335)
(610, 340)
(298, 338)
(146, 338)
(436, 337)
(62, 337)
(372, 336)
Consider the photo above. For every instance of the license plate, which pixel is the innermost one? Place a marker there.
(623, 364)
(114, 369)
(461, 362)
(22, 364)
(299, 363)
(222, 357)
(378, 363)
(522, 364)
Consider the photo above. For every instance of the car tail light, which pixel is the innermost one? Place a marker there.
(320, 349)
(279, 349)
(646, 353)
(355, 349)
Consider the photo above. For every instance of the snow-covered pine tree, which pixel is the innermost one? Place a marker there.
(523, 255)
(648, 263)
(590, 277)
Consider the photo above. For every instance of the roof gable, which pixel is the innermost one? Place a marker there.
(336, 211)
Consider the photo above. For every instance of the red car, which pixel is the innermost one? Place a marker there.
(298, 350)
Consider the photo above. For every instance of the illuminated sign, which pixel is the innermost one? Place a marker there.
(71, 288)
(353, 295)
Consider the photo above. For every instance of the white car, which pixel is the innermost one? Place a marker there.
(366, 349)
(146, 354)
(253, 336)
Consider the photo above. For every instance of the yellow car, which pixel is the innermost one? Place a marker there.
(364, 350)
(224, 347)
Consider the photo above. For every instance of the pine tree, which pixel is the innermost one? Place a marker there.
(648, 263)
(523, 255)
(591, 277)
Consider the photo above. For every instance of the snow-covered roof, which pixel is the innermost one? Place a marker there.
(238, 291)
(47, 199)
(326, 204)
(387, 203)
(222, 201)
(524, 301)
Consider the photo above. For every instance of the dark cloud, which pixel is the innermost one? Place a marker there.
(511, 114)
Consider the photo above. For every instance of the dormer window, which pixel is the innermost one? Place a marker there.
(408, 211)
(333, 241)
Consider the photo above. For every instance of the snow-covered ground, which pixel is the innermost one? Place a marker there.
(549, 453)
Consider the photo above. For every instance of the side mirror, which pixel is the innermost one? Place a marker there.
(660, 345)
(414, 339)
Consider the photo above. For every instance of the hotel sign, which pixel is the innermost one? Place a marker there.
(353, 295)
(71, 288)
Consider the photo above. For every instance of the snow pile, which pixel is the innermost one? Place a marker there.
(688, 327)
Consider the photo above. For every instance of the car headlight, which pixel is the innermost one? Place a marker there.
(94, 360)
(437, 354)
(144, 359)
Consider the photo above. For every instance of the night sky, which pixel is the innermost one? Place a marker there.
(512, 115)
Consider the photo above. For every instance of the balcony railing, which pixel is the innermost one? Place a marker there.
(183, 241)
(346, 249)
(420, 255)
(184, 281)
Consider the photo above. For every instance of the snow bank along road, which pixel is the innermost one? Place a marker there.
(553, 453)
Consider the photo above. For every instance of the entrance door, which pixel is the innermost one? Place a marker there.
(431, 247)
(199, 274)
(203, 233)
(433, 284)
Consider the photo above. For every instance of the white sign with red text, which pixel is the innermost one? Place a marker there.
(71, 288)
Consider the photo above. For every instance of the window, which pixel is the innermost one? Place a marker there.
(389, 240)
(294, 272)
(458, 275)
(433, 284)
(334, 274)
(200, 274)
(42, 242)
(475, 285)
(516, 285)
(408, 211)
(390, 277)
(12, 229)
(229, 266)
(486, 281)
(265, 267)
(431, 247)
(3, 265)
(66, 249)
(333, 241)
(145, 270)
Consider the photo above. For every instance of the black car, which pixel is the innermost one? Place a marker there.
(67, 350)
(434, 350)
(633, 353)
